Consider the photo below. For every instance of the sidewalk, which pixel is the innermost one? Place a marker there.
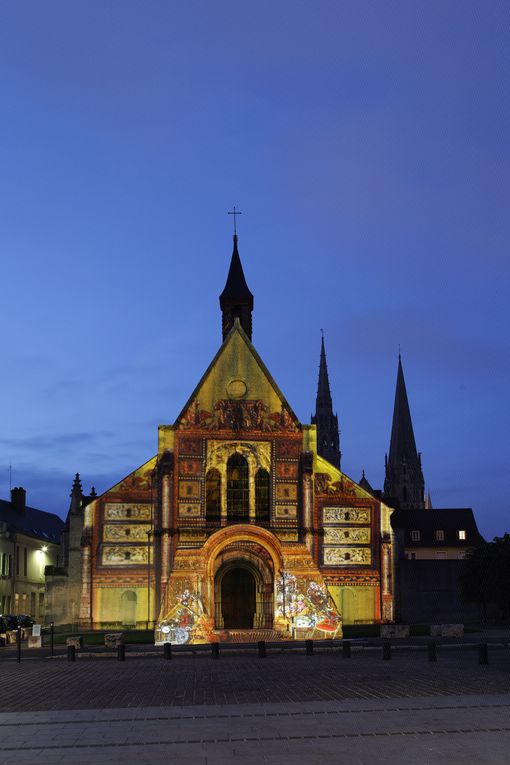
(437, 730)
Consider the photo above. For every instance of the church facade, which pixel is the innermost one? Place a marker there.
(238, 528)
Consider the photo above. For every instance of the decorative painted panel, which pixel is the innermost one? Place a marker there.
(346, 515)
(189, 509)
(288, 449)
(192, 446)
(286, 470)
(124, 556)
(286, 535)
(122, 532)
(122, 511)
(286, 511)
(192, 535)
(238, 415)
(189, 489)
(286, 491)
(347, 556)
(345, 535)
(190, 467)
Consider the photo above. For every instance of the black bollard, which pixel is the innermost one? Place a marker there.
(483, 653)
(309, 647)
(167, 651)
(432, 651)
(262, 649)
(71, 653)
(52, 636)
(215, 650)
(386, 650)
(121, 652)
(18, 644)
(346, 649)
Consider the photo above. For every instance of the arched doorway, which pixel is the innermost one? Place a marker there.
(238, 598)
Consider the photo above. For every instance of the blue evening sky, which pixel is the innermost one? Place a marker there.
(367, 145)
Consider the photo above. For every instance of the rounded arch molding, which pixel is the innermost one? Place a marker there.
(242, 533)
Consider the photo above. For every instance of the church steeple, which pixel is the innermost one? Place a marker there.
(328, 439)
(236, 300)
(404, 478)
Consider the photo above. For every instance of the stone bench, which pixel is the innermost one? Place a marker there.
(394, 631)
(76, 641)
(447, 630)
(113, 639)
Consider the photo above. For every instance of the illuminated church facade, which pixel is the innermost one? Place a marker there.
(242, 526)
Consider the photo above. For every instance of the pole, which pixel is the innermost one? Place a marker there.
(18, 644)
(52, 630)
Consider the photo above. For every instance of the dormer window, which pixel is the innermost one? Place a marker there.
(415, 535)
(439, 534)
(462, 535)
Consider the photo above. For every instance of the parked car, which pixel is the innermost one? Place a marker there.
(8, 623)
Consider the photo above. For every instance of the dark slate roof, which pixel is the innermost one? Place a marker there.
(427, 522)
(402, 443)
(32, 522)
(236, 288)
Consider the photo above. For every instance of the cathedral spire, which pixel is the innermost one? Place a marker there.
(236, 300)
(328, 439)
(404, 478)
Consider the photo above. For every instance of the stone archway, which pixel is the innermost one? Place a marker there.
(243, 585)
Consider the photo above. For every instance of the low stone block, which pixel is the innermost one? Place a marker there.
(447, 630)
(113, 639)
(34, 641)
(452, 630)
(76, 641)
(394, 631)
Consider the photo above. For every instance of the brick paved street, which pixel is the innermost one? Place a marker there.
(39, 684)
(284, 709)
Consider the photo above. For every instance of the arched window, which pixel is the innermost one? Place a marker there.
(238, 508)
(213, 496)
(262, 513)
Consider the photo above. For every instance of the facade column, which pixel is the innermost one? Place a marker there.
(307, 490)
(86, 580)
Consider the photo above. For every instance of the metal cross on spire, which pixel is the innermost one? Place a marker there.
(234, 212)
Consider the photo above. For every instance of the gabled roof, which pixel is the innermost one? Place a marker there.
(31, 522)
(237, 331)
(427, 522)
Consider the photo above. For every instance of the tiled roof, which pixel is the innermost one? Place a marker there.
(427, 522)
(32, 522)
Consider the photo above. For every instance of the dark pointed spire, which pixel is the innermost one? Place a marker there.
(323, 390)
(364, 483)
(328, 438)
(236, 300)
(404, 478)
(402, 443)
(93, 493)
(76, 495)
(77, 488)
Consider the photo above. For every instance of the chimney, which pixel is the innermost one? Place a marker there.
(19, 499)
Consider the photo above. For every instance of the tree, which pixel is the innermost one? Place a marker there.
(487, 575)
